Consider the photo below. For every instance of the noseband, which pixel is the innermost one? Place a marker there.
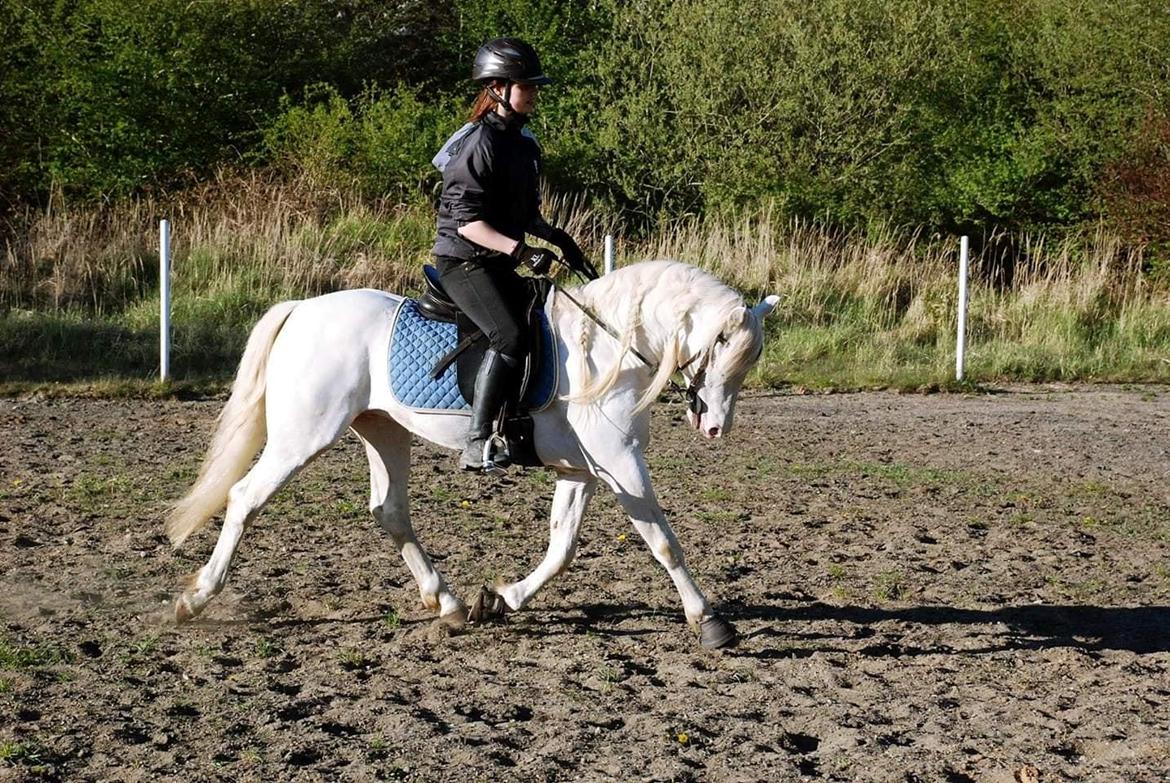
(694, 401)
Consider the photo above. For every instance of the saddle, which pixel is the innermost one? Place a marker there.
(538, 380)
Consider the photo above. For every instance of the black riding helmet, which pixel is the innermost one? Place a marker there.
(509, 59)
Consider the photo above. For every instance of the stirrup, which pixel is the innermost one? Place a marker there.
(493, 458)
(493, 448)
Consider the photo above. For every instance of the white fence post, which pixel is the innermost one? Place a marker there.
(164, 285)
(608, 253)
(960, 345)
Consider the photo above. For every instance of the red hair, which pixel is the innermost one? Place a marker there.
(484, 104)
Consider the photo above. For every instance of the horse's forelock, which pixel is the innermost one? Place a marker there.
(728, 318)
(745, 344)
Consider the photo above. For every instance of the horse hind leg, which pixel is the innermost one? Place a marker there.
(288, 450)
(387, 446)
(245, 500)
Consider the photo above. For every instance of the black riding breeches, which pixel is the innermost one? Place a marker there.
(493, 296)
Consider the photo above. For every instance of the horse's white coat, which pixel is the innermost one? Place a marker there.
(314, 368)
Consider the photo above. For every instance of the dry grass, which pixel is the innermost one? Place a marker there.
(880, 308)
(240, 233)
(856, 310)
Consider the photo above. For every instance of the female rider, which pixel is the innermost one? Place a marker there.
(490, 200)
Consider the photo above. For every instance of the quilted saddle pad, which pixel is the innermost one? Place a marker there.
(418, 343)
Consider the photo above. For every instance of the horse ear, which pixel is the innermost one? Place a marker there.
(738, 317)
(766, 306)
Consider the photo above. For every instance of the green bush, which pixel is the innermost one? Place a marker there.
(110, 97)
(382, 141)
(939, 114)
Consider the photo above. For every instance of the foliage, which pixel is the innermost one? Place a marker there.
(111, 97)
(950, 116)
(382, 141)
(938, 114)
(1135, 192)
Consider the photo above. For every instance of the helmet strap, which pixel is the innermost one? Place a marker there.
(505, 100)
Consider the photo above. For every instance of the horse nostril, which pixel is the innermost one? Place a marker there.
(713, 432)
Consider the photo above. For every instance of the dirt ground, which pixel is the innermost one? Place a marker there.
(929, 588)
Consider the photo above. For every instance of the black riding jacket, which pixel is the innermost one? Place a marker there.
(494, 176)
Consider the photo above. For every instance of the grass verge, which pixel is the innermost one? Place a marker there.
(79, 304)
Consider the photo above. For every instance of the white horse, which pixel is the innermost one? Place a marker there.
(315, 367)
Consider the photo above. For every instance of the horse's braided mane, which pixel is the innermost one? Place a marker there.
(651, 304)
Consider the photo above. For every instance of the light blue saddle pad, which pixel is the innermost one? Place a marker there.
(418, 343)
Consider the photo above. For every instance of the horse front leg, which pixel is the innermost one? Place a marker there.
(570, 499)
(630, 480)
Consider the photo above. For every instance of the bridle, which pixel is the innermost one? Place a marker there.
(694, 402)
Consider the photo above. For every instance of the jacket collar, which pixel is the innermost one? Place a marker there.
(513, 122)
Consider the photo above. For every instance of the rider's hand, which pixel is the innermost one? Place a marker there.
(538, 259)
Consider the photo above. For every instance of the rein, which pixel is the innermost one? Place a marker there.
(694, 402)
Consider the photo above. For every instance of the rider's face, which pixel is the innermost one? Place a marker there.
(524, 97)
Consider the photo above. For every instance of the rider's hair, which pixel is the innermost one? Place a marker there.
(484, 103)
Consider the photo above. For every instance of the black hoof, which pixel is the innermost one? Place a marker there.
(489, 606)
(716, 633)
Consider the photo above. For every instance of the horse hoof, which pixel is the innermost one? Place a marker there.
(454, 621)
(183, 611)
(489, 605)
(716, 633)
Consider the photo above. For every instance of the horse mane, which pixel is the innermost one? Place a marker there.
(654, 306)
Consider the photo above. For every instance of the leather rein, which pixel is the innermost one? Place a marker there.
(694, 402)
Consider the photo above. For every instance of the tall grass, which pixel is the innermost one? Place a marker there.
(245, 236)
(79, 287)
(880, 308)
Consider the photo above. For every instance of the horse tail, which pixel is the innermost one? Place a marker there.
(239, 433)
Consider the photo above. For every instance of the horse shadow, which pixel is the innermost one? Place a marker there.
(1138, 629)
(774, 632)
(771, 631)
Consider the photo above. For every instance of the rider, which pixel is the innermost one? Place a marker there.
(490, 200)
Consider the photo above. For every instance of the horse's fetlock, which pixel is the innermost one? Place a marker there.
(430, 599)
(668, 555)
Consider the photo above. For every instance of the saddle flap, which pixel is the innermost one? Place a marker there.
(434, 303)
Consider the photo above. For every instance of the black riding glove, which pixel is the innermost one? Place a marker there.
(538, 259)
(572, 253)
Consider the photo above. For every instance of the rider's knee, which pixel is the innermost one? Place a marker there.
(509, 342)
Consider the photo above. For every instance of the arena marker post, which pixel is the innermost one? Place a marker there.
(961, 339)
(608, 253)
(164, 316)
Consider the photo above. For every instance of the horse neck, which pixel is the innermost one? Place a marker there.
(651, 296)
(626, 299)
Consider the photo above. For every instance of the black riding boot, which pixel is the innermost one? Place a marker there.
(493, 384)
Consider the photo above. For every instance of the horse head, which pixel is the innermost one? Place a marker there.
(716, 373)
